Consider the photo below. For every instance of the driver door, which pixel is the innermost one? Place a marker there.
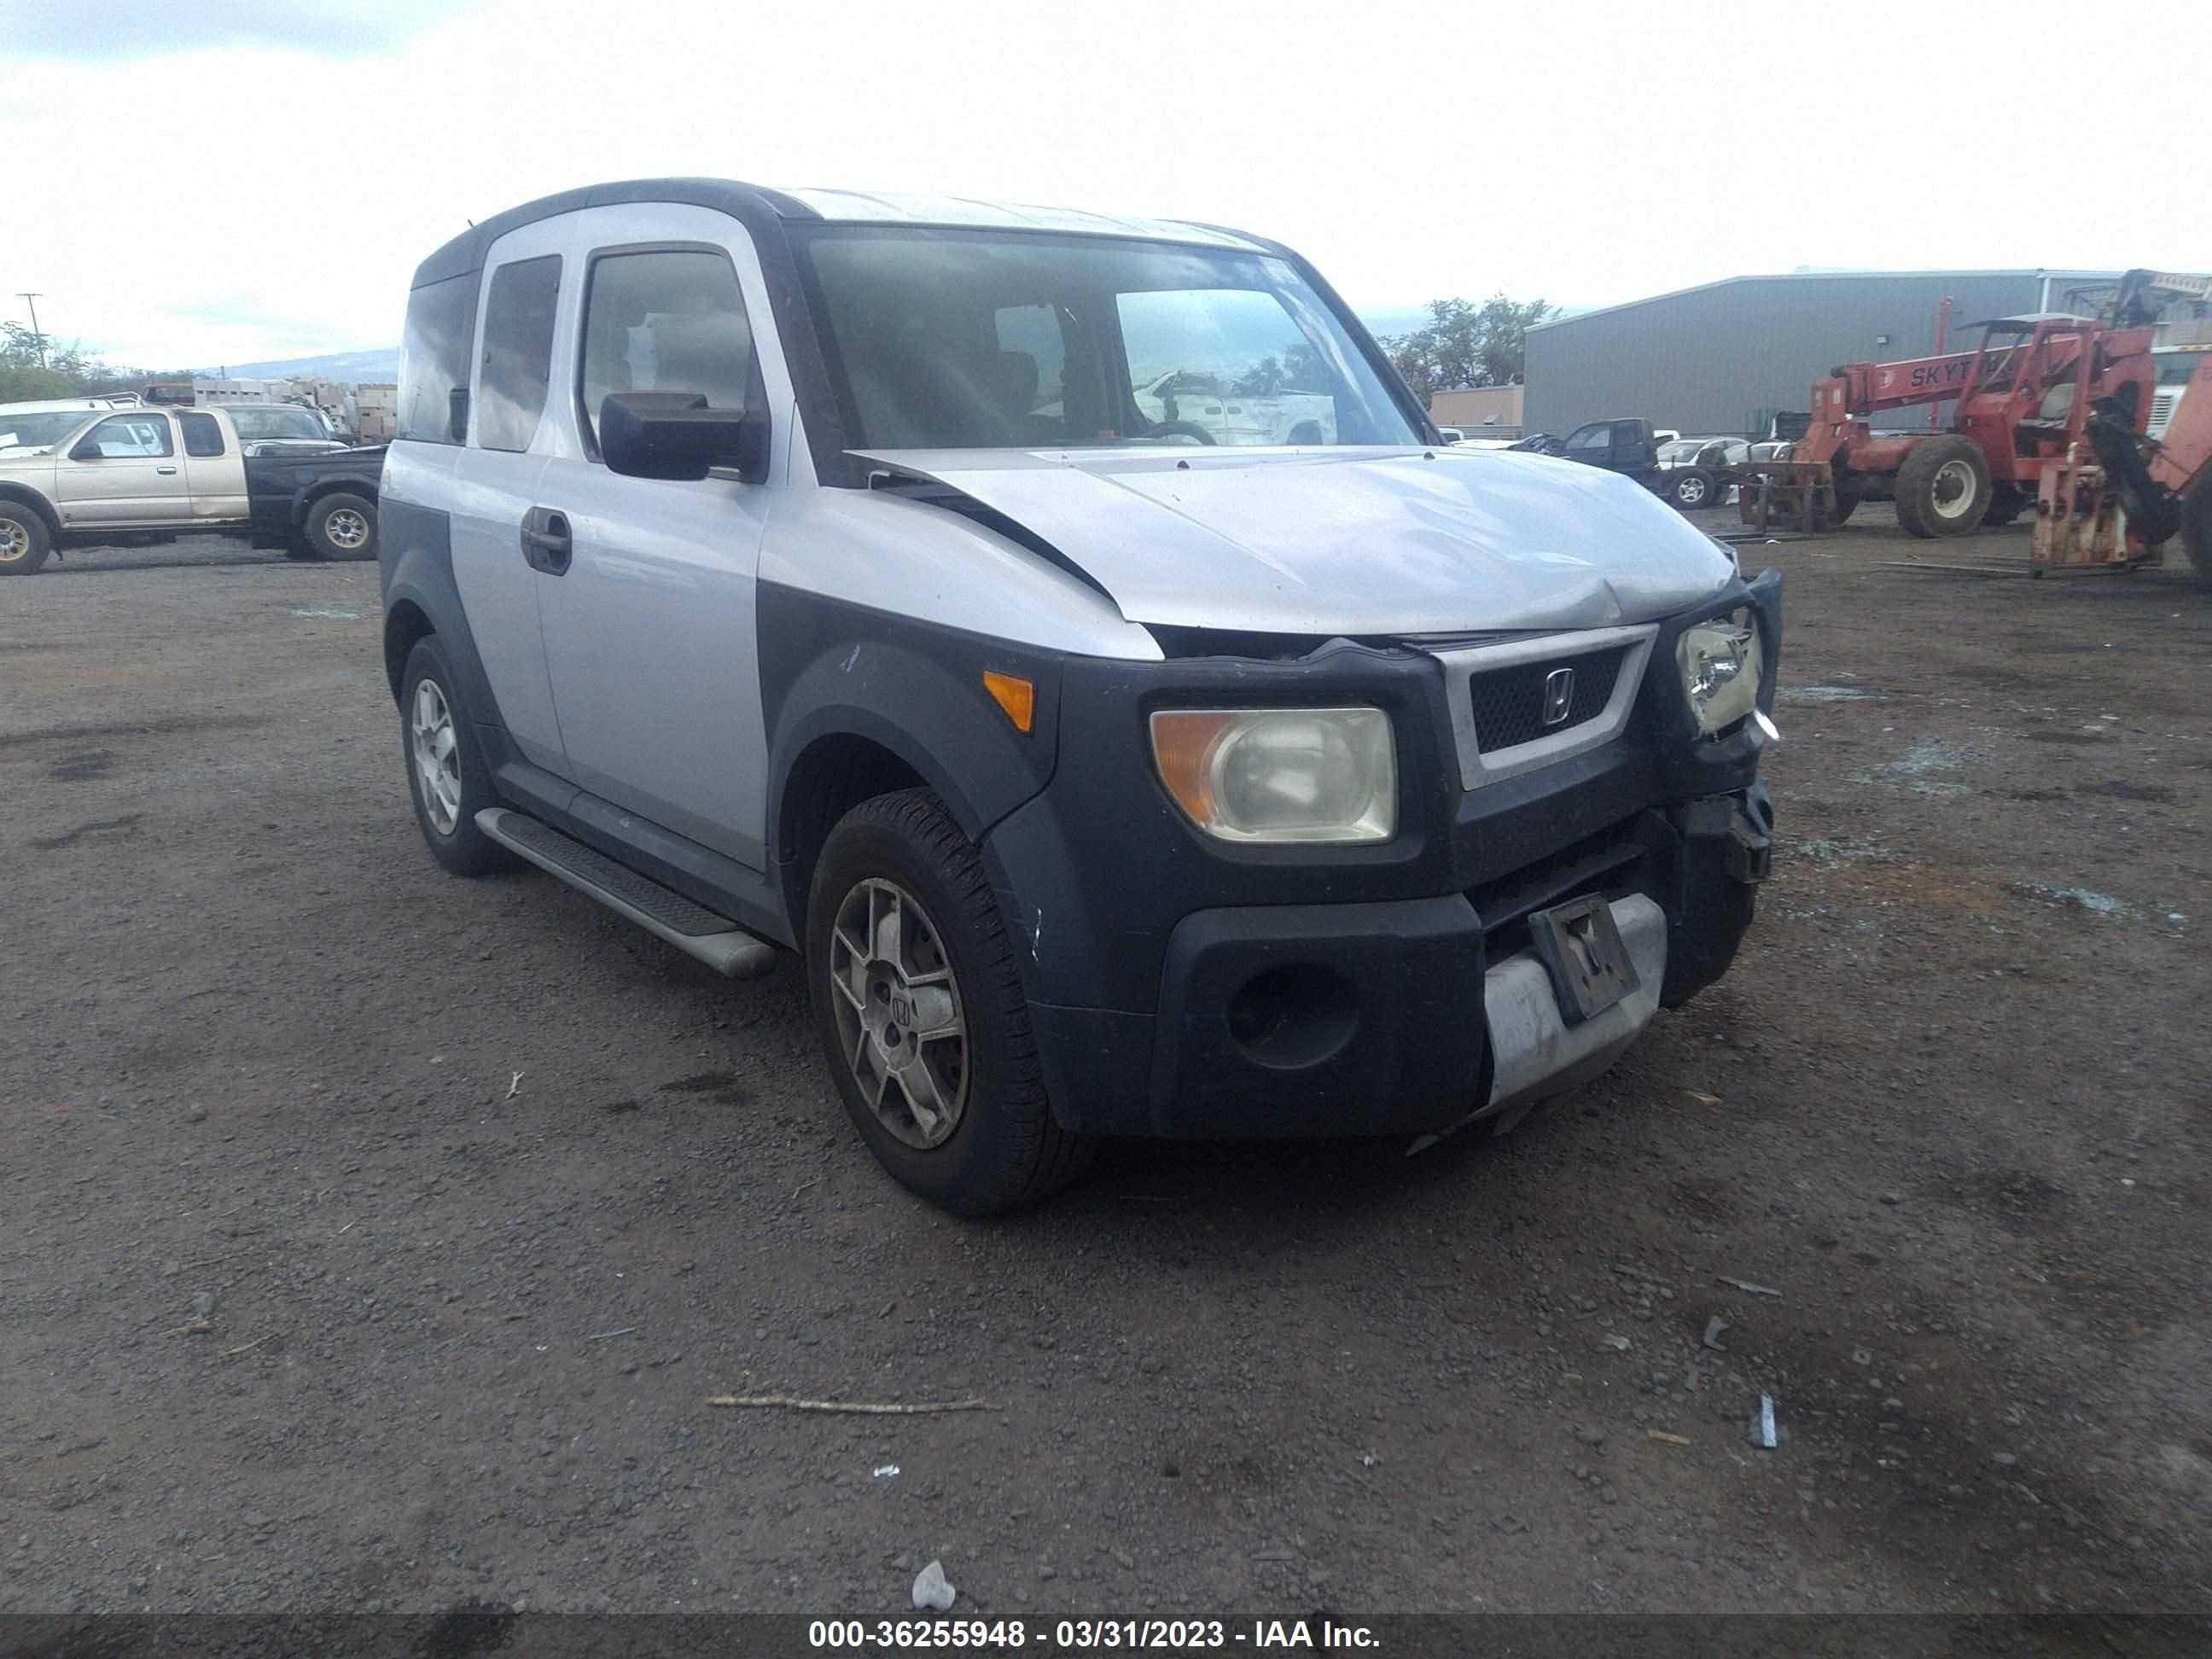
(1592, 445)
(124, 472)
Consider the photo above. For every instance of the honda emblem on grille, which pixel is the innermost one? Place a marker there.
(1558, 694)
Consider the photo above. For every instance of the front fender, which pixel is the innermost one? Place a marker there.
(831, 669)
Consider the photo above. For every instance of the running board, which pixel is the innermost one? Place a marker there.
(691, 928)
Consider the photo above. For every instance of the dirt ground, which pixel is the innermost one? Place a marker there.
(373, 1240)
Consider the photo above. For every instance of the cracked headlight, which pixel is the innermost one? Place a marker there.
(1722, 665)
(1280, 775)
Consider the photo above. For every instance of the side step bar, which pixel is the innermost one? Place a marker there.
(691, 928)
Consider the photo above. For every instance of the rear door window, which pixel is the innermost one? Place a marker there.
(202, 435)
(663, 319)
(517, 351)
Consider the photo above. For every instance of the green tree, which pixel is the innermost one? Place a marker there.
(1466, 344)
(35, 366)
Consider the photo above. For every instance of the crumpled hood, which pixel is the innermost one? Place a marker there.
(1345, 541)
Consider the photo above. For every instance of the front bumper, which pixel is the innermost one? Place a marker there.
(1180, 987)
(1400, 1017)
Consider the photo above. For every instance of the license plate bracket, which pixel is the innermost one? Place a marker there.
(1580, 947)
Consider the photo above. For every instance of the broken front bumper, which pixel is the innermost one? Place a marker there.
(1413, 1017)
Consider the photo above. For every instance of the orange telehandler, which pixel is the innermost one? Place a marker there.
(2117, 496)
(2021, 407)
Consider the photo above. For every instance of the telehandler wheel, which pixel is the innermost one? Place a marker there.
(2197, 528)
(1849, 489)
(2007, 502)
(1943, 488)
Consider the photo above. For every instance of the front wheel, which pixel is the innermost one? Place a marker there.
(1943, 489)
(24, 543)
(2197, 528)
(919, 1012)
(343, 526)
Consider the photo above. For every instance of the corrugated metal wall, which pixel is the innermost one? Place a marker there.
(1719, 359)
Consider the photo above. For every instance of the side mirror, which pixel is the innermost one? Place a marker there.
(673, 434)
(86, 450)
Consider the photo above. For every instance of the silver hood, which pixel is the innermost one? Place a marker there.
(1345, 541)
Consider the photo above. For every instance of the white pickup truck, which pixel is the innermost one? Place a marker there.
(76, 477)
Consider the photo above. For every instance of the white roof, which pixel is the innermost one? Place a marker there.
(851, 206)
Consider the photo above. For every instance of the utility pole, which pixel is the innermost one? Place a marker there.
(39, 339)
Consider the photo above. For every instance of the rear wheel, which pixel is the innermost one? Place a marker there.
(1943, 489)
(24, 543)
(343, 526)
(1692, 488)
(447, 777)
(919, 1011)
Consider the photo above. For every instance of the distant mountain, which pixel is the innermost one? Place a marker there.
(370, 367)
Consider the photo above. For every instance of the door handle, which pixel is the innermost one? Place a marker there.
(546, 543)
(167, 472)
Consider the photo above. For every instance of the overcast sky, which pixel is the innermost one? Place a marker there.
(207, 181)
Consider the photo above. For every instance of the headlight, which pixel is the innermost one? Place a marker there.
(1721, 668)
(1280, 775)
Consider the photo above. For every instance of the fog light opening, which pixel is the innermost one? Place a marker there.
(1293, 1017)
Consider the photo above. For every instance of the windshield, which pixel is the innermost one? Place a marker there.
(944, 339)
(254, 424)
(38, 431)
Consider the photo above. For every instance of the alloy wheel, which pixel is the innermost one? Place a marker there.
(437, 751)
(901, 1027)
(347, 529)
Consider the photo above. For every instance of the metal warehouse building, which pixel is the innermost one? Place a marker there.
(1726, 356)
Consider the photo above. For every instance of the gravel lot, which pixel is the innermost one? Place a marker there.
(373, 1240)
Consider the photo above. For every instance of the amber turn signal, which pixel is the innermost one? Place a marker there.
(1184, 743)
(1017, 696)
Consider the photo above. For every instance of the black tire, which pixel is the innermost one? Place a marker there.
(342, 526)
(2007, 502)
(461, 846)
(1692, 488)
(1943, 488)
(2197, 528)
(24, 543)
(1004, 1148)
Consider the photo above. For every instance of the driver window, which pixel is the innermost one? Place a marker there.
(128, 437)
(665, 321)
(1596, 436)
